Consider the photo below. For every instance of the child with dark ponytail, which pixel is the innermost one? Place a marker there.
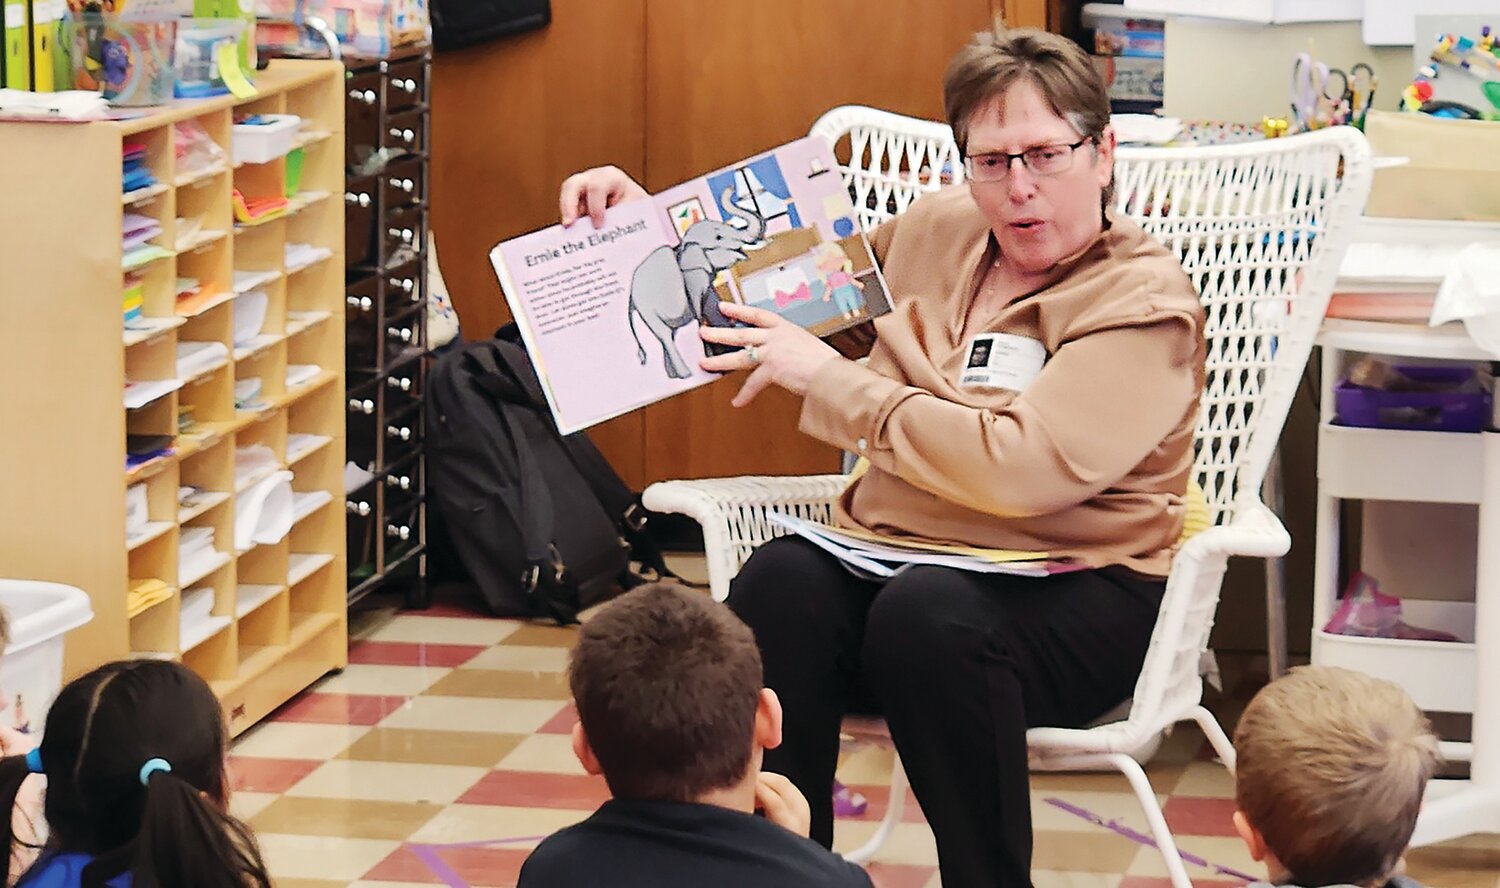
(137, 794)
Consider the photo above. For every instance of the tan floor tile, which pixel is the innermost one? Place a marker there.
(364, 621)
(1103, 852)
(297, 740)
(349, 818)
(1472, 862)
(388, 781)
(473, 714)
(544, 753)
(322, 857)
(1053, 879)
(691, 566)
(544, 635)
(1163, 777)
(935, 882)
(246, 805)
(475, 749)
(309, 883)
(1217, 850)
(509, 684)
(404, 681)
(909, 842)
(521, 658)
(487, 823)
(1119, 806)
(1207, 780)
(1181, 746)
(445, 630)
(867, 765)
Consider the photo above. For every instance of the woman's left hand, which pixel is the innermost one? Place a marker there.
(777, 350)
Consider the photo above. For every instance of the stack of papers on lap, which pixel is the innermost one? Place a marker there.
(886, 557)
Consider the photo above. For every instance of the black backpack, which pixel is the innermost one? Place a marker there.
(540, 521)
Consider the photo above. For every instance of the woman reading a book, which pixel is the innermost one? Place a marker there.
(1034, 388)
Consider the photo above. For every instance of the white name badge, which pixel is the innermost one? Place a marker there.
(1002, 361)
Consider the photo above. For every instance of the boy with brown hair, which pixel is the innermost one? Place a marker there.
(1331, 768)
(672, 711)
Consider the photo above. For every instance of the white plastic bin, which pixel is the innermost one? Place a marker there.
(264, 142)
(41, 614)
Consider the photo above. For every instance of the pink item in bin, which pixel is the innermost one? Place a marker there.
(1367, 612)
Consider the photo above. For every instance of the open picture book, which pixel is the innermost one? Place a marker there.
(610, 315)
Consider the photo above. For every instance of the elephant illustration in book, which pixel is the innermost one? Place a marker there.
(674, 286)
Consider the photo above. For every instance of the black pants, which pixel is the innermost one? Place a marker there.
(960, 664)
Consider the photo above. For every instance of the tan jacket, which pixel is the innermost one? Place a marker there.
(1090, 462)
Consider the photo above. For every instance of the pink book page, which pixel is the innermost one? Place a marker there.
(570, 292)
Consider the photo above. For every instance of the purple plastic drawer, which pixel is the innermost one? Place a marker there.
(1421, 411)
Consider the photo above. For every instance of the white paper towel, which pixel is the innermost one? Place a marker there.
(1471, 293)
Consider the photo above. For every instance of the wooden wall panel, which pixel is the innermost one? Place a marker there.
(727, 80)
(513, 118)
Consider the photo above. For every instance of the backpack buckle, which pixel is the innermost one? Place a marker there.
(533, 574)
(635, 517)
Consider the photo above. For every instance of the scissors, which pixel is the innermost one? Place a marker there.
(1317, 91)
(1361, 92)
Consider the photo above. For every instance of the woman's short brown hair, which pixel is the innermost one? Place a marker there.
(995, 60)
(1331, 768)
(667, 683)
(998, 59)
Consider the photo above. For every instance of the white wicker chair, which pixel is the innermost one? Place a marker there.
(1261, 229)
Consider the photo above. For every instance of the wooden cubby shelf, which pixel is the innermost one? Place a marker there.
(221, 318)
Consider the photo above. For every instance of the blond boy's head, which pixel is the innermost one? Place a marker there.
(1331, 769)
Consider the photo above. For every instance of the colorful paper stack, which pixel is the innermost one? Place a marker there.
(134, 299)
(137, 176)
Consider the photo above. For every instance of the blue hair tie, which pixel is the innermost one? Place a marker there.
(34, 760)
(153, 766)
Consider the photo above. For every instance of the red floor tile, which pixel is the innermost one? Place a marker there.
(1190, 816)
(249, 774)
(497, 867)
(524, 789)
(339, 709)
(562, 723)
(899, 875)
(408, 653)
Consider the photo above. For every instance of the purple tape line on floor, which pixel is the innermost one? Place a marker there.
(428, 854)
(1118, 828)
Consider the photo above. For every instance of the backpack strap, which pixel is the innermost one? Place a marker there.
(618, 500)
(545, 579)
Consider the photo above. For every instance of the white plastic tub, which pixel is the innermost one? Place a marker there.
(41, 614)
(1439, 675)
(265, 142)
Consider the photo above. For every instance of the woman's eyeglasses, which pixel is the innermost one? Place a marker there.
(1043, 160)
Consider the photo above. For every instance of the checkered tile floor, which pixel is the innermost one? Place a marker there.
(441, 756)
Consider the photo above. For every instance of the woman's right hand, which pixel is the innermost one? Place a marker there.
(591, 192)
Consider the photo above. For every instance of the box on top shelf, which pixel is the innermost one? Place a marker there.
(1117, 33)
(371, 27)
(1266, 12)
(1132, 79)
